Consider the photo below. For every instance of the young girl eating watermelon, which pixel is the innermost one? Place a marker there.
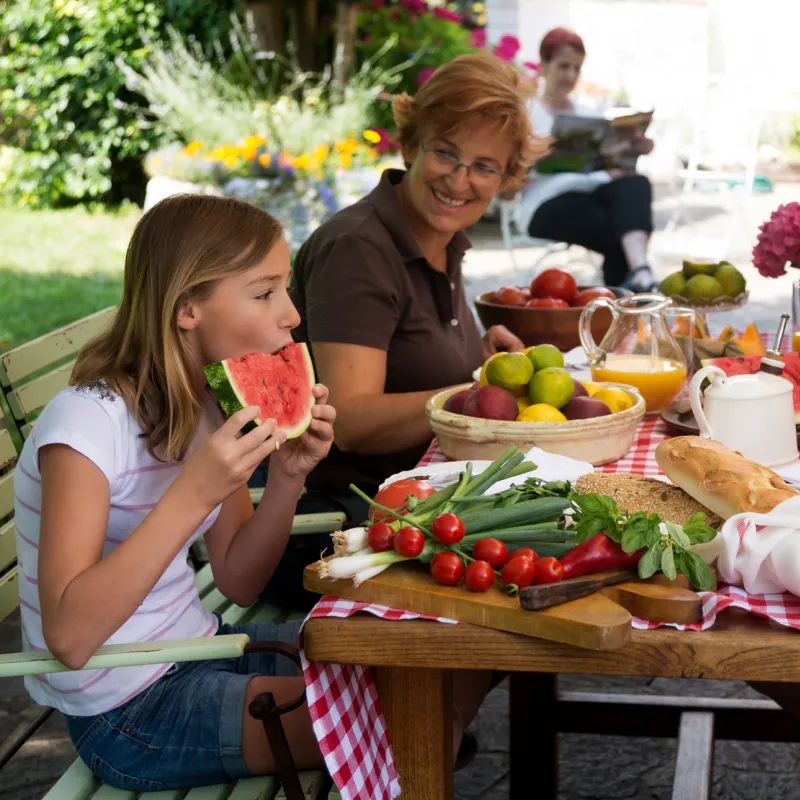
(126, 468)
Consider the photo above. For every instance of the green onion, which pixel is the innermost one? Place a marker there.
(526, 512)
(522, 534)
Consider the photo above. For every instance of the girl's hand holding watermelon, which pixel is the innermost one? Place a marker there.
(297, 457)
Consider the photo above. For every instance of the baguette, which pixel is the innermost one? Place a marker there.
(723, 480)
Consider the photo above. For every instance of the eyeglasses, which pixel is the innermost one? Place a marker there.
(479, 174)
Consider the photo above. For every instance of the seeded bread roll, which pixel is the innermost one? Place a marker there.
(723, 480)
(637, 493)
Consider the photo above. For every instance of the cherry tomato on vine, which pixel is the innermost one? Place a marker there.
(409, 542)
(491, 550)
(447, 569)
(448, 528)
(519, 570)
(525, 551)
(380, 537)
(479, 576)
(548, 570)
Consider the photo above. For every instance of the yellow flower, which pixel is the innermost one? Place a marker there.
(372, 153)
(346, 145)
(254, 141)
(302, 162)
(346, 160)
(193, 148)
(249, 152)
(479, 8)
(321, 152)
(230, 161)
(372, 137)
(265, 159)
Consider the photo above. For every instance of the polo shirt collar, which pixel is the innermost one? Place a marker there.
(392, 214)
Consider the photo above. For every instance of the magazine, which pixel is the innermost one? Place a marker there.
(587, 143)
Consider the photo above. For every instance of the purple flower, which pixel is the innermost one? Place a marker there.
(444, 13)
(424, 74)
(414, 6)
(778, 242)
(479, 37)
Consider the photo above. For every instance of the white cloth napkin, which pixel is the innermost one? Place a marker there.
(764, 561)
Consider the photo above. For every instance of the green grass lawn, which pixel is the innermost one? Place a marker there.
(58, 266)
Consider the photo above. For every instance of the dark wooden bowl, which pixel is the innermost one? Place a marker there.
(557, 326)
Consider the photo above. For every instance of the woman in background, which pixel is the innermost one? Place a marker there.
(605, 211)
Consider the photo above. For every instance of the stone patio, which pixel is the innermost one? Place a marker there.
(590, 767)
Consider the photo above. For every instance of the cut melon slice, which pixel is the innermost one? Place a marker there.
(279, 384)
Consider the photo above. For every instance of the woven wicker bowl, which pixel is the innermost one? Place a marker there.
(598, 440)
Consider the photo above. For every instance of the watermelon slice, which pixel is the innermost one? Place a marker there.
(279, 384)
(749, 365)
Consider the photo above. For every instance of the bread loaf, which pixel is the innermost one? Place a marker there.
(723, 480)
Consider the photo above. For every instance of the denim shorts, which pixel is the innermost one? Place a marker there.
(185, 729)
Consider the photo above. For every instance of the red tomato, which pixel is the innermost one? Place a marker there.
(549, 570)
(394, 496)
(525, 551)
(584, 297)
(509, 296)
(447, 569)
(491, 550)
(520, 570)
(555, 283)
(448, 528)
(409, 542)
(479, 576)
(380, 537)
(546, 302)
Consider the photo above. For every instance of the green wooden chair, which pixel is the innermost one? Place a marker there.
(78, 783)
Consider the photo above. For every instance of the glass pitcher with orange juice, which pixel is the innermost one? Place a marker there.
(638, 348)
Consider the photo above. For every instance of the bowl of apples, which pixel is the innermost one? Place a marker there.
(548, 311)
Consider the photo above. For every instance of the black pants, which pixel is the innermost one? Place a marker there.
(598, 220)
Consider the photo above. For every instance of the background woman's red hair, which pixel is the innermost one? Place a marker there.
(557, 38)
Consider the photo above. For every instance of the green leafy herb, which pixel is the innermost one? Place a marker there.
(640, 531)
(697, 531)
(650, 562)
(668, 562)
(678, 535)
(596, 514)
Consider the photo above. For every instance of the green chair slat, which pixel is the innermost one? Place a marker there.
(324, 522)
(77, 783)
(106, 792)
(6, 494)
(204, 580)
(8, 452)
(167, 794)
(32, 397)
(333, 794)
(9, 597)
(310, 781)
(262, 613)
(236, 615)
(219, 791)
(296, 616)
(261, 788)
(8, 545)
(129, 655)
(216, 601)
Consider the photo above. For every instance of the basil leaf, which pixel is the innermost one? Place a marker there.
(632, 539)
(597, 505)
(697, 531)
(645, 526)
(697, 571)
(587, 527)
(668, 562)
(678, 535)
(650, 562)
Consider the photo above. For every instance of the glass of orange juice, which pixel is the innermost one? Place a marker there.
(796, 316)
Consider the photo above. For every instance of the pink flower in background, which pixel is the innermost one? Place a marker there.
(385, 143)
(376, 4)
(479, 37)
(414, 6)
(531, 65)
(778, 242)
(443, 13)
(507, 47)
(424, 74)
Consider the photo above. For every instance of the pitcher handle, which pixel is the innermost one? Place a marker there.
(694, 397)
(585, 325)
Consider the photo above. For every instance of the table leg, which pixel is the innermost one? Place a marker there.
(532, 701)
(418, 706)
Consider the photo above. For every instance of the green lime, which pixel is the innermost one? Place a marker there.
(673, 285)
(510, 371)
(552, 386)
(732, 281)
(702, 289)
(699, 266)
(545, 355)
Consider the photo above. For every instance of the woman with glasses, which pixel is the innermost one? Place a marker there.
(606, 211)
(379, 286)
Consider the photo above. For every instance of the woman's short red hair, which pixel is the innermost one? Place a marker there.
(557, 38)
(467, 91)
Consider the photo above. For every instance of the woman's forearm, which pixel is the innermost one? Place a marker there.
(382, 423)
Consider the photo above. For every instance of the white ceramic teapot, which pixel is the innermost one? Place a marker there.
(753, 414)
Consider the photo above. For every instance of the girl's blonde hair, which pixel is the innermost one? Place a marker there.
(178, 252)
(470, 90)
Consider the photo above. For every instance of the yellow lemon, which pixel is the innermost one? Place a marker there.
(482, 380)
(591, 388)
(541, 412)
(615, 399)
(522, 403)
(509, 371)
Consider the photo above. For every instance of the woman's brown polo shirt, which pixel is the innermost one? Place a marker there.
(361, 279)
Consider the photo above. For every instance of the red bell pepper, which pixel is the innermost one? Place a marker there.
(596, 554)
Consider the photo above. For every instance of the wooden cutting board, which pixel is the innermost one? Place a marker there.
(596, 621)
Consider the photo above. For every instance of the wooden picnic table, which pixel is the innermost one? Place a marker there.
(414, 663)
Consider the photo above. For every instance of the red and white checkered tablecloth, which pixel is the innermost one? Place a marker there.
(344, 703)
